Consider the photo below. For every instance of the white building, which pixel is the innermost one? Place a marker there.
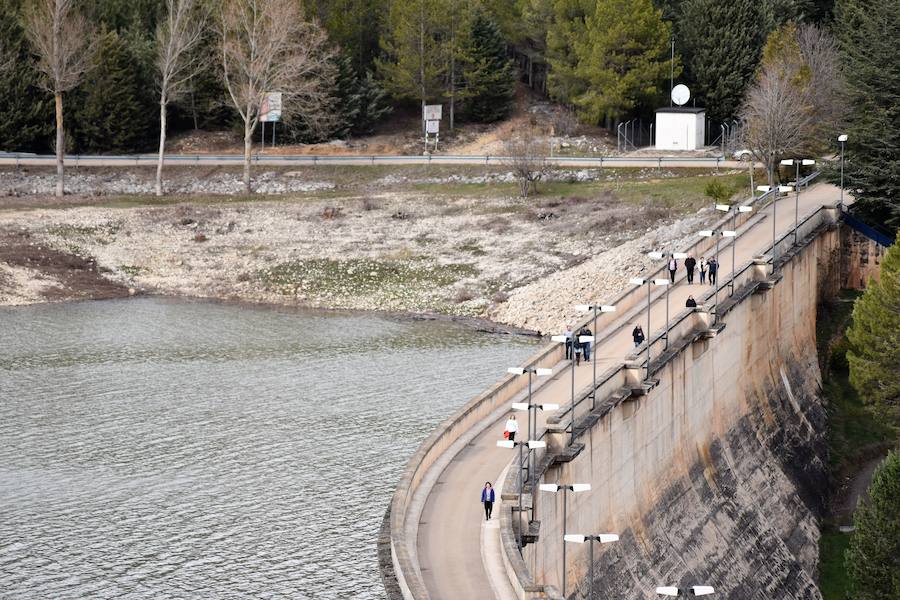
(680, 128)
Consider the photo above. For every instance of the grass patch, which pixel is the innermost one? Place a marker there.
(130, 270)
(855, 434)
(472, 247)
(832, 572)
(853, 429)
(384, 278)
(68, 231)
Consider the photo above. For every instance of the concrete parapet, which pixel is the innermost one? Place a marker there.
(434, 453)
(712, 471)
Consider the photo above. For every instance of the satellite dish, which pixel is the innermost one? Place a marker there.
(681, 94)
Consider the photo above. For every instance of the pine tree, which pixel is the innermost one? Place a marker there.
(373, 104)
(566, 29)
(24, 107)
(622, 59)
(873, 559)
(875, 340)
(414, 63)
(488, 72)
(720, 43)
(111, 111)
(867, 32)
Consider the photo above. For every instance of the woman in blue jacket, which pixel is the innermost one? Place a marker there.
(487, 498)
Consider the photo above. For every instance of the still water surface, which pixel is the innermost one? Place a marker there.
(152, 448)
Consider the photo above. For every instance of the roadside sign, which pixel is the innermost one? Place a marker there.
(270, 111)
(432, 126)
(432, 112)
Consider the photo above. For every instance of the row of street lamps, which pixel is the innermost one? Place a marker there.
(597, 309)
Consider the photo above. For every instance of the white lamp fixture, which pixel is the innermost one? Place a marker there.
(695, 590)
(637, 281)
(505, 444)
(516, 371)
(679, 255)
(727, 233)
(581, 487)
(656, 255)
(603, 538)
(549, 406)
(548, 487)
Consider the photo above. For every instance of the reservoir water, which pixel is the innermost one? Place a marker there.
(153, 448)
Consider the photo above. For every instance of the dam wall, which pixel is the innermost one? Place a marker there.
(712, 470)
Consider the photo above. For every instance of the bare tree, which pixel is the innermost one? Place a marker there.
(526, 156)
(65, 45)
(777, 119)
(827, 86)
(177, 61)
(797, 100)
(267, 46)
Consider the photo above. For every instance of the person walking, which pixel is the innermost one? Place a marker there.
(673, 268)
(487, 498)
(512, 427)
(713, 271)
(689, 265)
(569, 341)
(691, 303)
(585, 346)
(638, 335)
(703, 268)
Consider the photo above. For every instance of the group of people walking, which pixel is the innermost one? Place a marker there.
(576, 349)
(573, 344)
(705, 267)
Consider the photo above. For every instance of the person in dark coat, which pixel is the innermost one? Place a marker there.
(713, 271)
(673, 268)
(691, 303)
(689, 265)
(487, 498)
(585, 346)
(638, 335)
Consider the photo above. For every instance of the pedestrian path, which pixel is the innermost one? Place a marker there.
(449, 534)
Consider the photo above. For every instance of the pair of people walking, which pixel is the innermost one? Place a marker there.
(708, 267)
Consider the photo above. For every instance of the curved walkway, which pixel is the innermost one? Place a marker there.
(449, 532)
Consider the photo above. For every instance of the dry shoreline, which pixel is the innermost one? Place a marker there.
(444, 249)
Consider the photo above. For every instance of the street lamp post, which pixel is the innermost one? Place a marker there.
(797, 162)
(573, 339)
(718, 234)
(648, 283)
(658, 256)
(556, 488)
(596, 308)
(694, 590)
(843, 140)
(530, 406)
(782, 189)
(734, 212)
(603, 538)
(532, 445)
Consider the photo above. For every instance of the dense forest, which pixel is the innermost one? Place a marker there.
(792, 72)
(607, 59)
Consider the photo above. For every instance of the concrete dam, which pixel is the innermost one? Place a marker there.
(709, 462)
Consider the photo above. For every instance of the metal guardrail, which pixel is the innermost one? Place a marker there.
(25, 159)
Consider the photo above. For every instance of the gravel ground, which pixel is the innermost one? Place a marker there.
(519, 263)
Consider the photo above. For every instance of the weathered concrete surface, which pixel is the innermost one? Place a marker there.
(861, 259)
(718, 474)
